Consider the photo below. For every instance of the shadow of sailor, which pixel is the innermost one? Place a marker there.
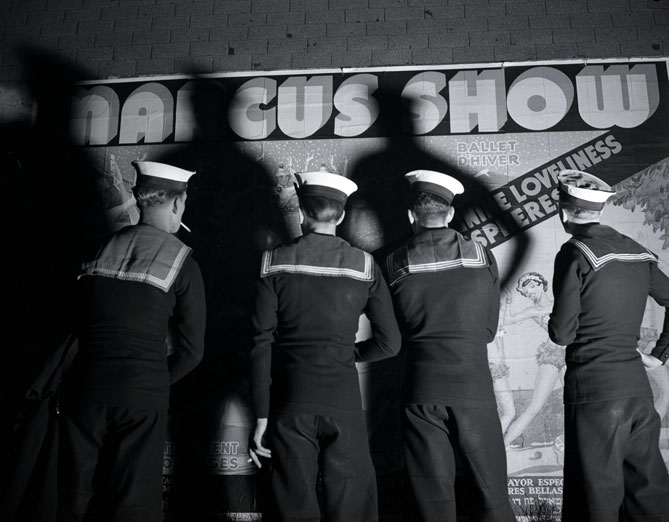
(376, 221)
(233, 214)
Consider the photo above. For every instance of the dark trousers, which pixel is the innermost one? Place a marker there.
(111, 464)
(456, 464)
(337, 444)
(613, 468)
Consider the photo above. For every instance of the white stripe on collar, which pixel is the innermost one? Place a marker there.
(163, 284)
(598, 262)
(267, 268)
(479, 261)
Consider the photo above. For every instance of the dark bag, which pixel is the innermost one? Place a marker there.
(32, 489)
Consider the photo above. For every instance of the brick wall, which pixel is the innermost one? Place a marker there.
(122, 38)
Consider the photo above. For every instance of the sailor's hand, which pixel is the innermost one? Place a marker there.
(257, 449)
(649, 361)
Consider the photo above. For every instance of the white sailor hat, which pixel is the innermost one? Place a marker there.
(325, 184)
(583, 190)
(433, 182)
(161, 175)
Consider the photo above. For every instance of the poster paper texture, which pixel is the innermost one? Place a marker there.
(506, 132)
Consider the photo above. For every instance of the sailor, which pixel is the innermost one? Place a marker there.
(613, 469)
(446, 294)
(311, 294)
(142, 282)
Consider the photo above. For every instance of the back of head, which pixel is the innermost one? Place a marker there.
(321, 209)
(582, 195)
(430, 196)
(427, 207)
(580, 214)
(160, 192)
(148, 196)
(323, 195)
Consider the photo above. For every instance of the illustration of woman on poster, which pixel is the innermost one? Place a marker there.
(500, 379)
(550, 356)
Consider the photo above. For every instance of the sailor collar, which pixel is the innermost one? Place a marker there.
(318, 255)
(601, 245)
(140, 253)
(434, 250)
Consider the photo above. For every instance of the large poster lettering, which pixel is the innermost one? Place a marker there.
(505, 131)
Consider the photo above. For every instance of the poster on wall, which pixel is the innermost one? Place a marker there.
(505, 130)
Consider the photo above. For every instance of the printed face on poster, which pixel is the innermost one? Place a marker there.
(504, 131)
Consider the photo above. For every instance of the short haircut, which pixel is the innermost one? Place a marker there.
(427, 206)
(580, 212)
(322, 209)
(148, 196)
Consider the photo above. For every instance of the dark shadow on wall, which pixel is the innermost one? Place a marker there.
(233, 213)
(377, 221)
(53, 219)
(57, 215)
(379, 205)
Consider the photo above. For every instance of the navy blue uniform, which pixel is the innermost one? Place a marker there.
(116, 394)
(613, 466)
(446, 294)
(311, 293)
